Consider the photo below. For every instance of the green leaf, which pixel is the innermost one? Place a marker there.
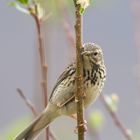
(13, 129)
(82, 10)
(24, 2)
(96, 119)
(83, 5)
(12, 4)
(19, 7)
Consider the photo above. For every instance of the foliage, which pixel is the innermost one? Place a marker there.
(84, 4)
(19, 7)
(24, 2)
(29, 7)
(96, 119)
(15, 128)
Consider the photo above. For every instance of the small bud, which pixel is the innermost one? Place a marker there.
(84, 3)
(42, 6)
(112, 101)
(129, 132)
(115, 97)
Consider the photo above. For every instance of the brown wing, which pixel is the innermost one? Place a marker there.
(61, 93)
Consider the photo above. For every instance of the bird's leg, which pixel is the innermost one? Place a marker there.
(83, 125)
(61, 104)
(74, 116)
(84, 95)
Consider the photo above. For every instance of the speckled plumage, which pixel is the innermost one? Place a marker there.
(62, 99)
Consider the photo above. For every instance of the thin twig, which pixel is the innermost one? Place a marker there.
(79, 75)
(69, 33)
(53, 137)
(116, 119)
(33, 109)
(27, 102)
(42, 56)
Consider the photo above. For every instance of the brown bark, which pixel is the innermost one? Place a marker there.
(79, 76)
(42, 55)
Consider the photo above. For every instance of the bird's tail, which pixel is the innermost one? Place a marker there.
(37, 125)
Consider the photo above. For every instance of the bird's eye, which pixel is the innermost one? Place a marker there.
(95, 53)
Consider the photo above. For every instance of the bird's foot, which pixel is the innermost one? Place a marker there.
(83, 125)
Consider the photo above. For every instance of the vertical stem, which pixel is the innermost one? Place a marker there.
(79, 80)
(43, 65)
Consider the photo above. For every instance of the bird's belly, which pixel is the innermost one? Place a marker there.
(90, 95)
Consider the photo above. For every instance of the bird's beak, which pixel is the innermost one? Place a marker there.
(86, 53)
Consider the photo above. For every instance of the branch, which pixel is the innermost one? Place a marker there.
(42, 56)
(79, 76)
(32, 108)
(27, 102)
(42, 53)
(52, 135)
(116, 119)
(69, 34)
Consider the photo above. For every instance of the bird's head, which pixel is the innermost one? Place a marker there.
(93, 53)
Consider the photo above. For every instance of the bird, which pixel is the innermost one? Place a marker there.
(62, 99)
